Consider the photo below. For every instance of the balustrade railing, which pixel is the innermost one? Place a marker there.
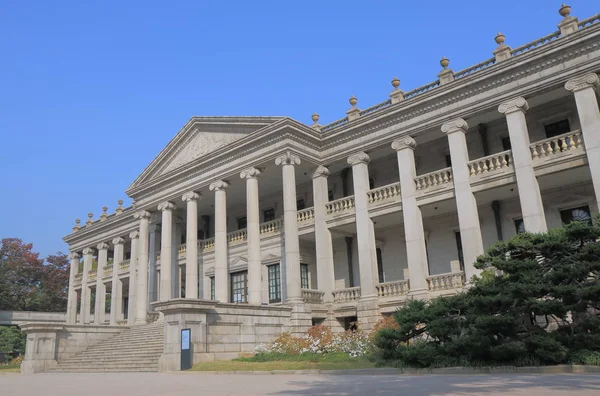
(475, 68)
(433, 179)
(272, 226)
(535, 44)
(237, 236)
(491, 163)
(449, 281)
(382, 193)
(340, 205)
(392, 289)
(206, 244)
(181, 249)
(306, 214)
(312, 296)
(566, 142)
(346, 295)
(108, 269)
(124, 265)
(375, 108)
(92, 274)
(589, 21)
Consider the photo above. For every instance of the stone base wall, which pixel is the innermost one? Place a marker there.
(368, 314)
(47, 343)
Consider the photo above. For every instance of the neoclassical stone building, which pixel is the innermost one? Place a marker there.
(243, 227)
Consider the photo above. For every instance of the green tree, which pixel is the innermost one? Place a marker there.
(537, 301)
(12, 341)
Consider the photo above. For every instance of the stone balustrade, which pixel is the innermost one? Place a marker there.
(108, 269)
(566, 142)
(181, 250)
(206, 244)
(92, 274)
(381, 194)
(392, 289)
(312, 296)
(306, 214)
(124, 265)
(433, 179)
(449, 281)
(346, 295)
(491, 163)
(272, 226)
(340, 205)
(237, 236)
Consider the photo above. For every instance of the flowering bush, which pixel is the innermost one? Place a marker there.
(319, 339)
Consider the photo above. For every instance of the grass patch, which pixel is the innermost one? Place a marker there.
(9, 369)
(271, 361)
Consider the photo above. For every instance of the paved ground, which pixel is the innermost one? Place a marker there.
(249, 385)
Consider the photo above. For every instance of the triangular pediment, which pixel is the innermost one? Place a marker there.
(200, 137)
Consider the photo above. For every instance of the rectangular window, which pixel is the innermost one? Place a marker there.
(268, 215)
(300, 204)
(274, 283)
(371, 183)
(519, 226)
(239, 287)
(330, 195)
(581, 213)
(380, 266)
(242, 222)
(506, 145)
(448, 161)
(304, 276)
(212, 288)
(557, 128)
(461, 258)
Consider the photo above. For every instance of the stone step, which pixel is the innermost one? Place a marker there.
(128, 358)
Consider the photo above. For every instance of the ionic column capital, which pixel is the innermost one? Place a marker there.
(320, 171)
(142, 214)
(118, 241)
(218, 185)
(405, 143)
(516, 104)
(74, 256)
(287, 159)
(589, 80)
(102, 246)
(359, 158)
(88, 251)
(166, 206)
(191, 196)
(250, 173)
(456, 125)
(134, 235)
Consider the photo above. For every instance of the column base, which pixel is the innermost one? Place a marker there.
(367, 312)
(37, 366)
(300, 319)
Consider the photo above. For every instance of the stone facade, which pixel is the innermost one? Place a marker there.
(244, 227)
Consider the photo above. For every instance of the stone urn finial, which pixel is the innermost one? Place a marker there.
(90, 221)
(444, 62)
(353, 101)
(90, 215)
(120, 202)
(315, 117)
(500, 38)
(396, 82)
(565, 10)
(104, 209)
(77, 221)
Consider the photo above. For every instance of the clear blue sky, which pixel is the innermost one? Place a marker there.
(90, 93)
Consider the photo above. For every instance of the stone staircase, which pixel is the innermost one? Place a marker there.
(135, 349)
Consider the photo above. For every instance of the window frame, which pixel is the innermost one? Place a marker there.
(274, 283)
(235, 286)
(304, 276)
(562, 213)
(271, 212)
(212, 288)
(242, 220)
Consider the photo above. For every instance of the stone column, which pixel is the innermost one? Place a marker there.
(414, 234)
(253, 234)
(583, 88)
(365, 233)
(118, 244)
(529, 190)
(141, 307)
(72, 299)
(100, 288)
(466, 205)
(133, 277)
(290, 226)
(191, 244)
(323, 245)
(166, 241)
(85, 290)
(221, 249)
(152, 272)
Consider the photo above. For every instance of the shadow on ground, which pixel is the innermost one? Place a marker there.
(434, 385)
